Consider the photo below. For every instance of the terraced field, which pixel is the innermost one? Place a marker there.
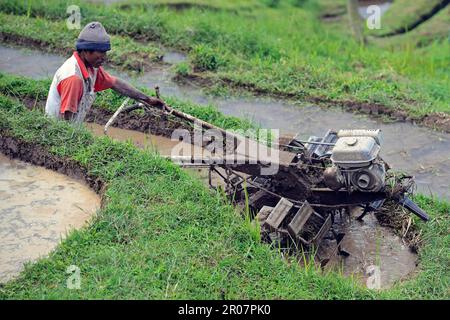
(160, 232)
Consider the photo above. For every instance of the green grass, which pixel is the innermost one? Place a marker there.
(162, 234)
(281, 49)
(55, 37)
(403, 13)
(429, 32)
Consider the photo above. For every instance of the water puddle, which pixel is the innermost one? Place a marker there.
(164, 146)
(172, 57)
(37, 209)
(24, 62)
(378, 258)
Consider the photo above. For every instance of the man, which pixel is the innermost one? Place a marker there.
(75, 83)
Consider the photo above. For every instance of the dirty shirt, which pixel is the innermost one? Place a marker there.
(73, 88)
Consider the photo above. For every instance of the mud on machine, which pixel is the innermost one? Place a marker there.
(299, 208)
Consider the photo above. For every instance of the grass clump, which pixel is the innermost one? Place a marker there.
(205, 58)
(182, 69)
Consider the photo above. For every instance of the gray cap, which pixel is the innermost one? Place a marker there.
(93, 37)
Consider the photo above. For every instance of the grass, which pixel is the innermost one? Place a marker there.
(37, 90)
(403, 13)
(281, 49)
(55, 37)
(162, 235)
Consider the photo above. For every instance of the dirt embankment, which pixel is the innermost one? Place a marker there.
(156, 122)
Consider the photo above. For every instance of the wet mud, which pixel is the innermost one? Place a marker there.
(378, 258)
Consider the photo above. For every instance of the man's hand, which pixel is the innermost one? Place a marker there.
(153, 101)
(128, 90)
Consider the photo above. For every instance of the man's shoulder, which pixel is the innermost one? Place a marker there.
(68, 69)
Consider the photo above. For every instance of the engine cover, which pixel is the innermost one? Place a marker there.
(356, 148)
(356, 164)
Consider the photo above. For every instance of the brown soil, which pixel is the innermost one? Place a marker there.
(156, 123)
(438, 120)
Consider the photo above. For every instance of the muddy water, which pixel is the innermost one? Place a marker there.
(164, 146)
(374, 251)
(37, 208)
(26, 63)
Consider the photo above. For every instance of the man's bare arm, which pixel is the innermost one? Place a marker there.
(128, 90)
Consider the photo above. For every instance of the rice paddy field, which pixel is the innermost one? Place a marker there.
(160, 233)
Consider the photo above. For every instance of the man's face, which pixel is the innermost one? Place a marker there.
(95, 58)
